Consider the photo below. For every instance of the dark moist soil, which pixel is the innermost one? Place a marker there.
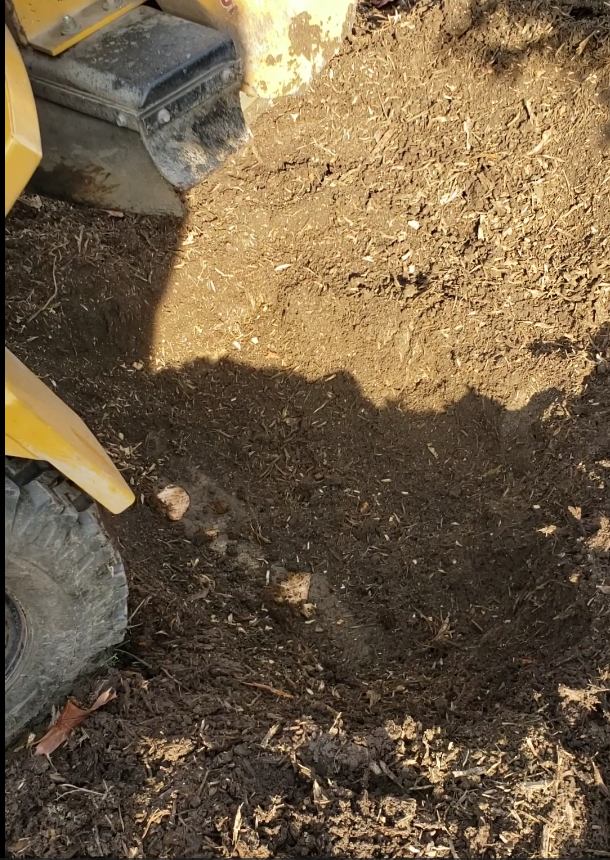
(376, 352)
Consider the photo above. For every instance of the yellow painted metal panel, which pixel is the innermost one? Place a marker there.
(40, 427)
(52, 26)
(284, 43)
(22, 150)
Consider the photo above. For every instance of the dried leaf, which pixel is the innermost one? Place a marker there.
(71, 717)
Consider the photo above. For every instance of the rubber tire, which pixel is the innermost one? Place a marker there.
(66, 577)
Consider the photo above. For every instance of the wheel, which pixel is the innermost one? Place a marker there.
(65, 599)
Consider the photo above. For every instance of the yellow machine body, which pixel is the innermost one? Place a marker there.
(37, 425)
(53, 26)
(22, 149)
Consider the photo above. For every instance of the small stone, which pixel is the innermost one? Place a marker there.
(207, 535)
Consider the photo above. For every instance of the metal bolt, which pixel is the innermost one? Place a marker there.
(121, 119)
(164, 116)
(68, 25)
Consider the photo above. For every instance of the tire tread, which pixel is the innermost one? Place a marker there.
(53, 525)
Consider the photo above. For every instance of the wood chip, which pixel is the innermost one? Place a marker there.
(599, 780)
(291, 591)
(237, 824)
(173, 501)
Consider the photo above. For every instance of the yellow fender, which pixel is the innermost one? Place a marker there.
(22, 149)
(284, 44)
(39, 426)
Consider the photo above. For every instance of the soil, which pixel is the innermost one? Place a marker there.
(376, 354)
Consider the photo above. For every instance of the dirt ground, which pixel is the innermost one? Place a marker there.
(376, 353)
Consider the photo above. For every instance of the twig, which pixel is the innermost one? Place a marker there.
(137, 659)
(76, 788)
(171, 677)
(137, 609)
(281, 693)
(51, 298)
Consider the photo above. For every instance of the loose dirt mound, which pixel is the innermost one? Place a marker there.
(376, 355)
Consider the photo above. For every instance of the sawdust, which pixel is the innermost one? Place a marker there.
(376, 353)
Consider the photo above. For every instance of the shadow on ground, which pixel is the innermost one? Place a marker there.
(448, 695)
